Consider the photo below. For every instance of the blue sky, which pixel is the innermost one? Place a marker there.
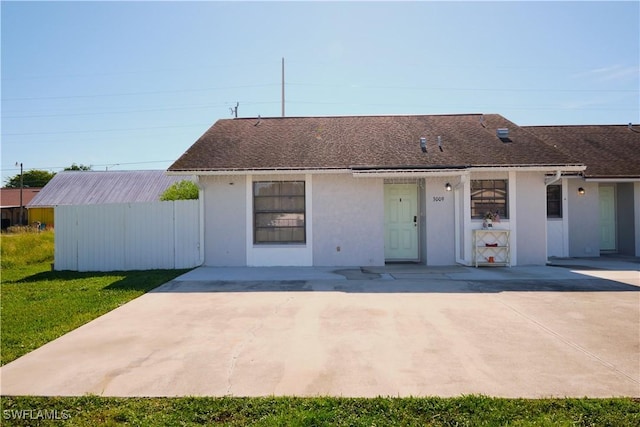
(131, 85)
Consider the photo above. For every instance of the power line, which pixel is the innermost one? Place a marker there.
(97, 165)
(147, 110)
(104, 130)
(154, 92)
(146, 72)
(467, 89)
(457, 106)
(218, 66)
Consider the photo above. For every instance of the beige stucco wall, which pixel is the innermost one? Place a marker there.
(584, 219)
(348, 220)
(439, 222)
(531, 218)
(636, 210)
(224, 220)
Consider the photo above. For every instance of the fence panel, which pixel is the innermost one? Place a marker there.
(66, 249)
(186, 233)
(100, 237)
(149, 236)
(128, 236)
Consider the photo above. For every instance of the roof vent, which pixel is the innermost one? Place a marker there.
(440, 143)
(502, 133)
(423, 144)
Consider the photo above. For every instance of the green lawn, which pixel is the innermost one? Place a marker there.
(38, 305)
(322, 411)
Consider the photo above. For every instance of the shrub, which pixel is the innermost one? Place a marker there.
(183, 190)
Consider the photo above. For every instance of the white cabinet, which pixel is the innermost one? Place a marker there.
(491, 247)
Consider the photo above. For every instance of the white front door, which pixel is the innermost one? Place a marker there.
(401, 222)
(607, 218)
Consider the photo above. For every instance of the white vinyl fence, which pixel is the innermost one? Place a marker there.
(128, 236)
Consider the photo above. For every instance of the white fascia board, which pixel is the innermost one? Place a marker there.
(382, 173)
(533, 168)
(612, 179)
(391, 173)
(227, 172)
(396, 173)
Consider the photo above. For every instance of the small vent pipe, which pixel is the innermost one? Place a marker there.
(423, 144)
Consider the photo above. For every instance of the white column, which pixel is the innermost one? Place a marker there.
(513, 203)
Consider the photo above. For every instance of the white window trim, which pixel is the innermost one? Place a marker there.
(291, 254)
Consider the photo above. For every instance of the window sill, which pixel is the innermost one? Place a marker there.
(279, 245)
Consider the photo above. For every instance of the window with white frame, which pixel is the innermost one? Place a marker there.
(489, 196)
(279, 212)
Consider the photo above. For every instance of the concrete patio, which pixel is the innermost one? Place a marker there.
(398, 330)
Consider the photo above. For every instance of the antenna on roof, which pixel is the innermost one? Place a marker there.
(234, 110)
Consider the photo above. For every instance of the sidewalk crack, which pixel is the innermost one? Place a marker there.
(571, 343)
(249, 337)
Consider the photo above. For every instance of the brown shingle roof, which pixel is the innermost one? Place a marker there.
(365, 141)
(608, 151)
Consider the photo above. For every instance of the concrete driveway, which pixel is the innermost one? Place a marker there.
(398, 331)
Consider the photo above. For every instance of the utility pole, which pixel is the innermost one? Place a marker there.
(21, 190)
(283, 87)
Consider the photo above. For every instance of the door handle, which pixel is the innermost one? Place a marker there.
(415, 218)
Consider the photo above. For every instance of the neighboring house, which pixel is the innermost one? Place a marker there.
(10, 204)
(365, 190)
(597, 211)
(98, 188)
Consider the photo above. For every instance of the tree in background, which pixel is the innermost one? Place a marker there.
(79, 167)
(36, 178)
(182, 190)
(33, 178)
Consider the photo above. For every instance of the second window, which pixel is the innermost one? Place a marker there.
(279, 212)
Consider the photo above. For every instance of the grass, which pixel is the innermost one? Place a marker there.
(25, 248)
(322, 411)
(39, 305)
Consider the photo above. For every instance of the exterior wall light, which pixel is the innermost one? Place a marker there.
(447, 186)
(581, 191)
